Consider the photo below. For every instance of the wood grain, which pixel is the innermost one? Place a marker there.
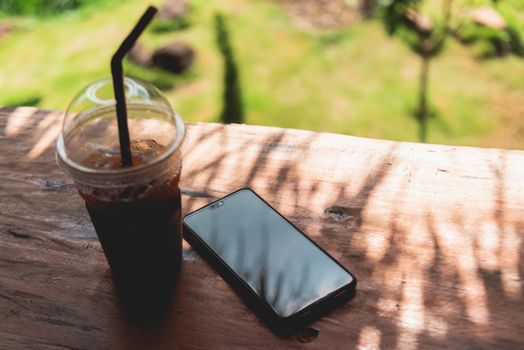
(434, 234)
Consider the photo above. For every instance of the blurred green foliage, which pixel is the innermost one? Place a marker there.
(489, 42)
(38, 7)
(394, 13)
(46, 8)
(354, 80)
(398, 17)
(171, 25)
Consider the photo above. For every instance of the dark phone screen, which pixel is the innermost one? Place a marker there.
(277, 261)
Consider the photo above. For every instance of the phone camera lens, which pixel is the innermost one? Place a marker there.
(216, 205)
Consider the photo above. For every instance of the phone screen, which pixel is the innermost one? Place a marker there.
(276, 260)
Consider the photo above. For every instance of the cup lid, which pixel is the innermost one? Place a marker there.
(90, 124)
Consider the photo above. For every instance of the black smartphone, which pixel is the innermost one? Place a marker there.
(285, 277)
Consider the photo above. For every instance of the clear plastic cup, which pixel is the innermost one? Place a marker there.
(136, 210)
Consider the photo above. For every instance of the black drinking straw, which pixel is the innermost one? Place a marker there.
(118, 83)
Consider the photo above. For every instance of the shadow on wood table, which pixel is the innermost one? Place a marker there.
(434, 235)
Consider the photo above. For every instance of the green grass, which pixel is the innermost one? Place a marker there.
(355, 80)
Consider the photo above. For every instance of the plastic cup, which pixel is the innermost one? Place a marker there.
(136, 210)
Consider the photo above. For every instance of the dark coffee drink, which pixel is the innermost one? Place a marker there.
(135, 209)
(139, 225)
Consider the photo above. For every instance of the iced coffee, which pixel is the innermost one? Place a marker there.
(136, 209)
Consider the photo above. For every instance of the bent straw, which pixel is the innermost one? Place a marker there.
(118, 83)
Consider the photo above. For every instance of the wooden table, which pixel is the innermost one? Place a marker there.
(434, 234)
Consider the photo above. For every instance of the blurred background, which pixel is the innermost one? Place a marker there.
(439, 71)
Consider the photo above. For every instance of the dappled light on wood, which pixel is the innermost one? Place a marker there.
(43, 131)
(434, 235)
(402, 220)
(369, 338)
(18, 120)
(47, 132)
(457, 247)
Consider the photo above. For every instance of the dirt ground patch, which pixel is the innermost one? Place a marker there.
(321, 14)
(6, 27)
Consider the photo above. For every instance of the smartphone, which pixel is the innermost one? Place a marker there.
(285, 277)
